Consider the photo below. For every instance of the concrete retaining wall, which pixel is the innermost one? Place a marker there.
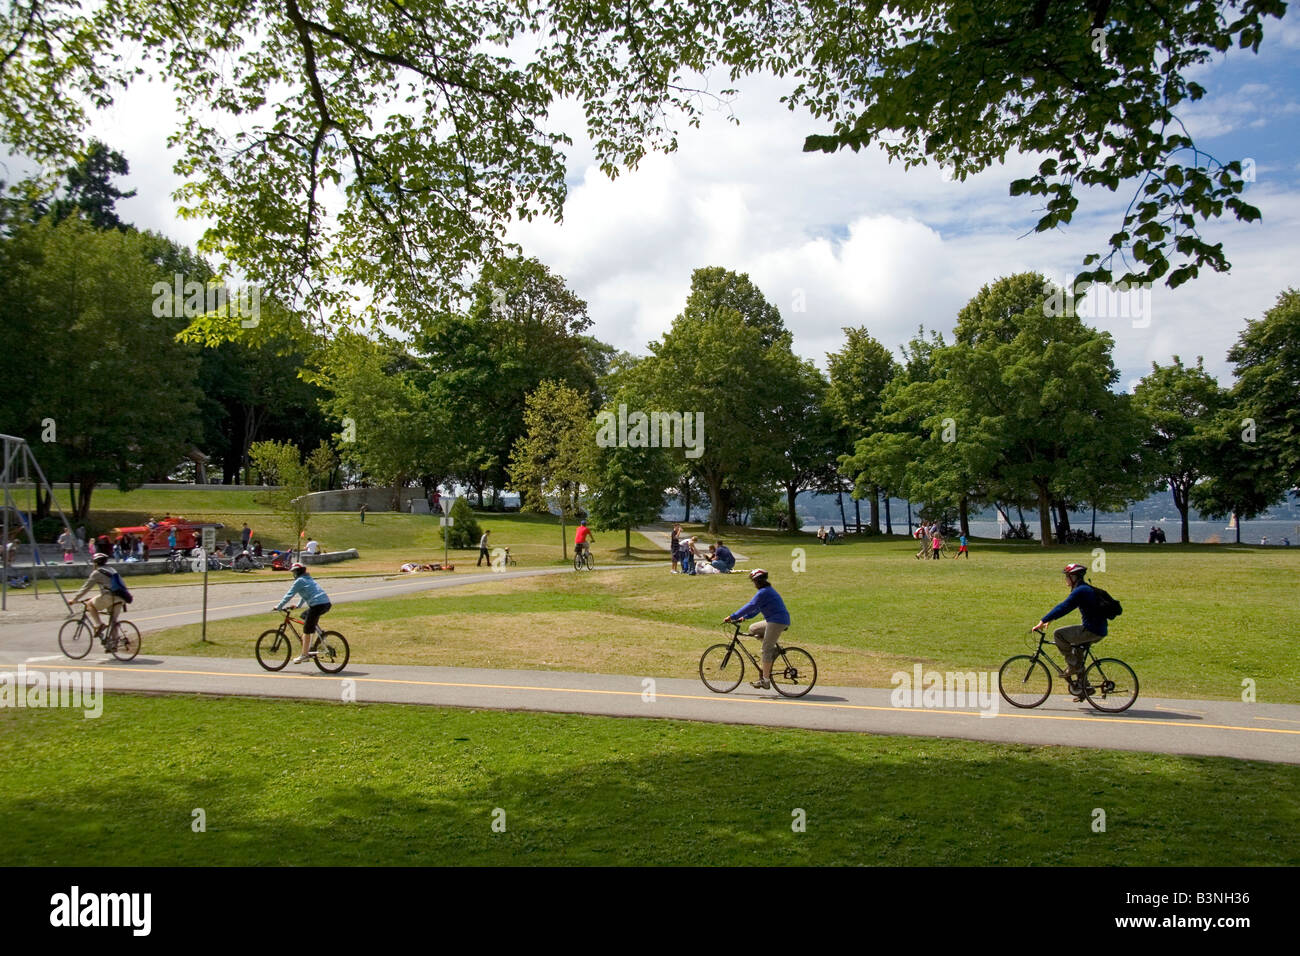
(375, 499)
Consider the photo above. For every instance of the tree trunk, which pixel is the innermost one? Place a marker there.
(1180, 502)
(1093, 529)
(790, 494)
(875, 509)
(1044, 518)
(1062, 521)
(857, 514)
(844, 521)
(889, 525)
(1236, 524)
(686, 495)
(715, 505)
(963, 510)
(909, 517)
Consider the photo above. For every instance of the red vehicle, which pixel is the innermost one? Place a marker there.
(156, 533)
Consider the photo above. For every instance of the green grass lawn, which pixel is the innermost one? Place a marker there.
(296, 783)
(1197, 620)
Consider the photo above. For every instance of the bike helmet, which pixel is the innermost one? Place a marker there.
(758, 576)
(298, 569)
(100, 559)
(1073, 569)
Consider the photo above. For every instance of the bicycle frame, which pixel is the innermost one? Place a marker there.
(1044, 642)
(736, 642)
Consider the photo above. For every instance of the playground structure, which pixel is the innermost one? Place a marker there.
(18, 465)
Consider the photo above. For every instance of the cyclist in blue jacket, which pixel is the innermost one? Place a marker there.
(1072, 640)
(775, 620)
(318, 604)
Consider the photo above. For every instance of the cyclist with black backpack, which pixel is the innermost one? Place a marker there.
(1096, 607)
(113, 594)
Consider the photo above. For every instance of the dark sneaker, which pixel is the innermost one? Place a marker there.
(760, 684)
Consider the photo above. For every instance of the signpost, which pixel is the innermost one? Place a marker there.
(209, 545)
(446, 521)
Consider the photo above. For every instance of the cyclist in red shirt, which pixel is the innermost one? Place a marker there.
(583, 538)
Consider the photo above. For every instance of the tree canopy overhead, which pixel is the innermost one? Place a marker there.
(386, 146)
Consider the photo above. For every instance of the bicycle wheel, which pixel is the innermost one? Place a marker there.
(1114, 684)
(273, 650)
(589, 561)
(721, 668)
(332, 652)
(76, 638)
(125, 643)
(793, 672)
(577, 562)
(1024, 681)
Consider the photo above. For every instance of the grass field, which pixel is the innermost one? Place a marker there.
(1197, 621)
(284, 782)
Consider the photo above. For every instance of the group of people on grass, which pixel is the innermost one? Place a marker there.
(827, 535)
(689, 558)
(933, 543)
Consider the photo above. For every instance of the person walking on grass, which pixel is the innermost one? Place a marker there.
(776, 619)
(675, 544)
(962, 551)
(483, 551)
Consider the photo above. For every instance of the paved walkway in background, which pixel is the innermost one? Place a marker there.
(1269, 732)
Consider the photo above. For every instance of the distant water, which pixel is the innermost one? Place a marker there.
(1197, 531)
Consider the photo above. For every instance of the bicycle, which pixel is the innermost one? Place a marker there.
(77, 636)
(507, 560)
(177, 563)
(1109, 684)
(722, 667)
(275, 647)
(583, 559)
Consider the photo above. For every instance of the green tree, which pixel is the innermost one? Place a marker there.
(1179, 405)
(807, 436)
(1240, 475)
(89, 190)
(552, 459)
(859, 373)
(716, 368)
(627, 486)
(401, 206)
(1266, 360)
(523, 326)
(280, 466)
(89, 357)
(465, 531)
(390, 431)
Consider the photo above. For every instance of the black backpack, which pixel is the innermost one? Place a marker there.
(1107, 606)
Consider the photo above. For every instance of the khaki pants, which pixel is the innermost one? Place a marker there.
(1071, 641)
(106, 602)
(769, 631)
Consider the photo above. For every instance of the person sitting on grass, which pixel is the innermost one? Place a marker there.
(775, 620)
(318, 604)
(723, 559)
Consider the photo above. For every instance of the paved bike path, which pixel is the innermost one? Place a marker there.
(1269, 732)
(1208, 728)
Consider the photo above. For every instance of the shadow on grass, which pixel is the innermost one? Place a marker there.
(297, 792)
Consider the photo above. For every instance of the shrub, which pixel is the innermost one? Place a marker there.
(466, 531)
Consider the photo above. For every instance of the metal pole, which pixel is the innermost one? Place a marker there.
(203, 636)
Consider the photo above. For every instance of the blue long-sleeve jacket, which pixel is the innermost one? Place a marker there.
(1085, 599)
(724, 557)
(767, 602)
(308, 590)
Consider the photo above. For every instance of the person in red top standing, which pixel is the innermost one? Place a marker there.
(583, 538)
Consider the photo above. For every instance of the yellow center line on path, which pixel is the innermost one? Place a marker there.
(712, 698)
(1282, 719)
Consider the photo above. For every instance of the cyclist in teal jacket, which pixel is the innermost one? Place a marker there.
(318, 604)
